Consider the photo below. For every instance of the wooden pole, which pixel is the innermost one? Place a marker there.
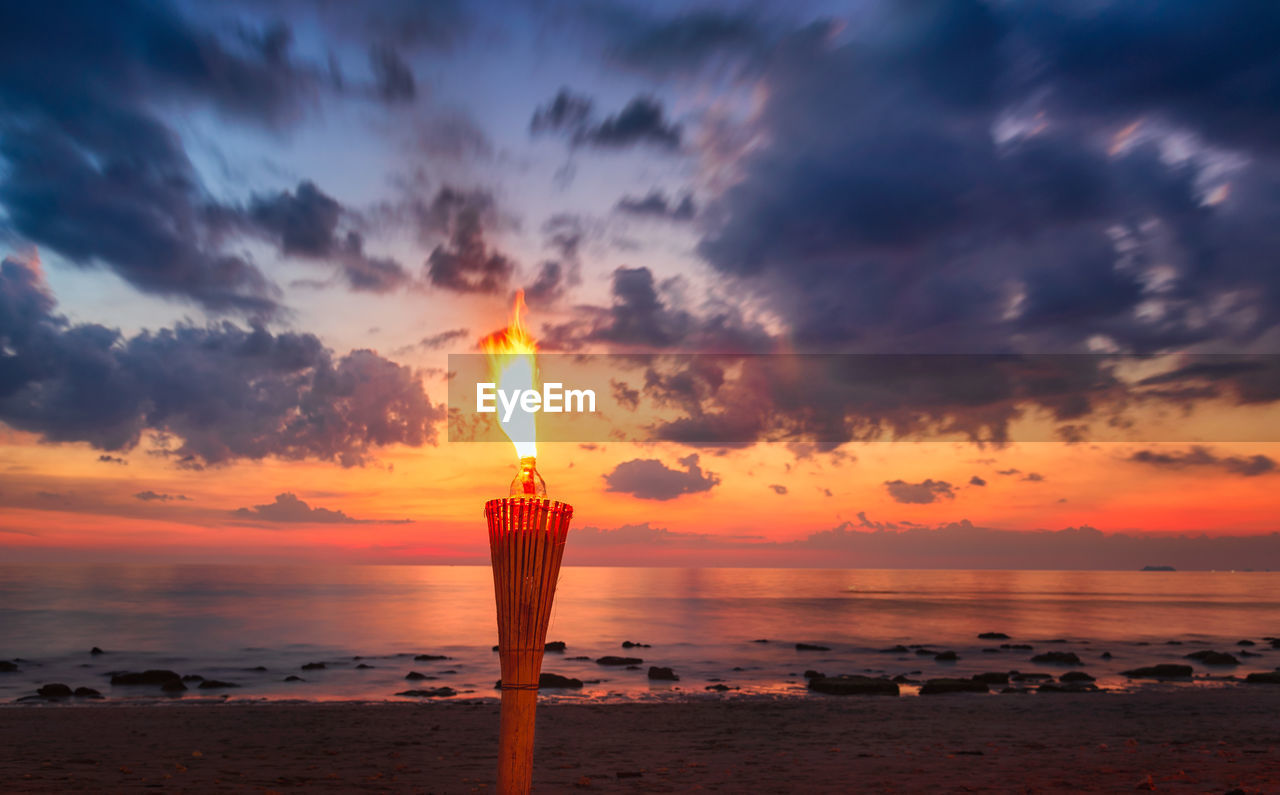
(526, 544)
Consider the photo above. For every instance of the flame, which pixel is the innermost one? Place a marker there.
(513, 365)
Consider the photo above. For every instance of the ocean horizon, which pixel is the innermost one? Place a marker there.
(256, 625)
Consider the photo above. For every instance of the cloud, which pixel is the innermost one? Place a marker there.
(1198, 456)
(778, 489)
(650, 479)
(112, 459)
(641, 121)
(443, 339)
(288, 509)
(977, 481)
(1034, 477)
(305, 223)
(214, 394)
(923, 190)
(151, 496)
(925, 492)
(955, 545)
(656, 205)
(94, 173)
(465, 263)
(392, 77)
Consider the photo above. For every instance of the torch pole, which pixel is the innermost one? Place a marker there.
(526, 543)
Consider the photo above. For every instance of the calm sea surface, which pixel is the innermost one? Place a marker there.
(224, 621)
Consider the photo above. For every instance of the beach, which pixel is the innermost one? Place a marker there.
(1185, 740)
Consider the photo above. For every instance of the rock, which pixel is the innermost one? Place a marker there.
(739, 668)
(760, 640)
(216, 684)
(193, 678)
(662, 674)
(414, 676)
(933, 687)
(812, 674)
(925, 652)
(633, 668)
(1057, 658)
(1161, 671)
(555, 645)
(903, 679)
(992, 678)
(315, 666)
(86, 692)
(1068, 687)
(259, 668)
(719, 688)
(1173, 643)
(611, 660)
(1106, 655)
(173, 686)
(1017, 646)
(556, 680)
(7, 667)
(363, 665)
(627, 644)
(151, 677)
(1245, 642)
(1247, 653)
(1208, 657)
(1029, 677)
(429, 657)
(434, 692)
(990, 651)
(899, 649)
(1263, 678)
(292, 678)
(1076, 676)
(811, 647)
(1015, 690)
(993, 636)
(580, 658)
(946, 656)
(54, 690)
(854, 685)
(95, 651)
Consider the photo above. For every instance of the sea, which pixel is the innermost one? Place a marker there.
(255, 625)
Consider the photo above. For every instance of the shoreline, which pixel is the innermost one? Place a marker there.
(1201, 740)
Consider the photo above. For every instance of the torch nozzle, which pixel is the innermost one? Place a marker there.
(528, 483)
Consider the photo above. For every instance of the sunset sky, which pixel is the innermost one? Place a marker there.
(241, 239)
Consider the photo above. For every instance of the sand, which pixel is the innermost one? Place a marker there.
(1190, 740)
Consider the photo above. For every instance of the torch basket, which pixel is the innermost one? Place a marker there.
(526, 543)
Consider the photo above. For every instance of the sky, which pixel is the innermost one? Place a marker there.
(241, 239)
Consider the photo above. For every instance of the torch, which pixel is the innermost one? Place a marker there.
(527, 533)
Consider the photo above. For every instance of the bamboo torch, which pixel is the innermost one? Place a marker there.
(527, 533)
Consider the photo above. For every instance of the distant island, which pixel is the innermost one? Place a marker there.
(1158, 568)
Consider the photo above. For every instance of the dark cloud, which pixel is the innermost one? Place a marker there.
(922, 493)
(650, 479)
(642, 318)
(1034, 477)
(656, 205)
(288, 509)
(465, 263)
(548, 285)
(91, 169)
(112, 459)
(305, 223)
(641, 121)
(393, 80)
(778, 489)
(955, 545)
(214, 394)
(1199, 457)
(433, 342)
(969, 179)
(683, 42)
(151, 496)
(977, 481)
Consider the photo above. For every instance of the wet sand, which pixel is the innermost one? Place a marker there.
(1187, 740)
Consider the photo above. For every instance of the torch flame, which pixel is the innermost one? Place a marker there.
(513, 365)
